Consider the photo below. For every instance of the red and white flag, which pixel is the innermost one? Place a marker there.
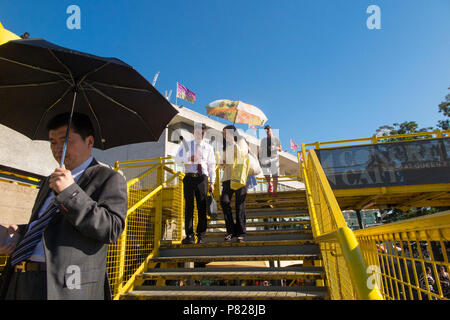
(185, 94)
(294, 146)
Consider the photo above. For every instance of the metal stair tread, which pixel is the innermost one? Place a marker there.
(206, 258)
(229, 292)
(234, 273)
(272, 214)
(239, 250)
(301, 209)
(299, 193)
(239, 253)
(218, 242)
(250, 233)
(262, 224)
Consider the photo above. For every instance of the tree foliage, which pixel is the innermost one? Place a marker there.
(405, 127)
(398, 214)
(444, 108)
(413, 127)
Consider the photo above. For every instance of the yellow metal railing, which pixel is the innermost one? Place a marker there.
(346, 271)
(402, 260)
(401, 253)
(383, 139)
(28, 181)
(155, 212)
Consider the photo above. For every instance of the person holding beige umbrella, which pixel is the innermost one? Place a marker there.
(237, 111)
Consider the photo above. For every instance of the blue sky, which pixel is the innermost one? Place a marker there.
(312, 66)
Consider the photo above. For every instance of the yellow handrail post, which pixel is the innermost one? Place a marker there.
(216, 193)
(365, 289)
(122, 249)
(312, 210)
(159, 209)
(121, 268)
(181, 207)
(299, 159)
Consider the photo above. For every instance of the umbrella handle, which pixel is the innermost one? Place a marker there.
(235, 117)
(68, 129)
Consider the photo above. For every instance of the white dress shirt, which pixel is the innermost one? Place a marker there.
(203, 151)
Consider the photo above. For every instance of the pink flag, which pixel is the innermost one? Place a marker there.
(185, 94)
(294, 146)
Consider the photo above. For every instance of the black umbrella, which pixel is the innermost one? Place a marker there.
(39, 80)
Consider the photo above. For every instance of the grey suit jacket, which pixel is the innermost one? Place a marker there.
(91, 216)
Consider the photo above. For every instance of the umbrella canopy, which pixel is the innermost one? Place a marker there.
(236, 111)
(39, 80)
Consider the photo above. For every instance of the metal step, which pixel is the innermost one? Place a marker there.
(228, 293)
(273, 205)
(287, 202)
(262, 224)
(219, 242)
(293, 209)
(309, 273)
(252, 234)
(280, 194)
(271, 213)
(239, 253)
(266, 236)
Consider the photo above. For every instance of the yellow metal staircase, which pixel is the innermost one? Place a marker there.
(299, 242)
(278, 231)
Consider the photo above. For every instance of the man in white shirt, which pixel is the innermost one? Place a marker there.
(200, 164)
(269, 159)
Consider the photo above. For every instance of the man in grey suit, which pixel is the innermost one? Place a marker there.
(79, 210)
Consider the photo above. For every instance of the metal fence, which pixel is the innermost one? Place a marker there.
(406, 260)
(155, 212)
(410, 257)
(346, 272)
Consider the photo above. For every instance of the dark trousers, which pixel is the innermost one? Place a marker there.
(195, 187)
(30, 285)
(237, 228)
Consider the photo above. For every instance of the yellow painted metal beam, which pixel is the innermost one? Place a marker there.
(422, 197)
(433, 221)
(356, 265)
(438, 187)
(329, 197)
(120, 163)
(375, 139)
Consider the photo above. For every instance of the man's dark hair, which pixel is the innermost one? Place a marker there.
(230, 126)
(81, 123)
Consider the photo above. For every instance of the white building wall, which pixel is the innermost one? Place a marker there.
(144, 150)
(20, 152)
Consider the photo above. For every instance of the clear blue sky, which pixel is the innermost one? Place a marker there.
(312, 66)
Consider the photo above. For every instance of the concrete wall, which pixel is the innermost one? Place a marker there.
(145, 150)
(16, 202)
(18, 151)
